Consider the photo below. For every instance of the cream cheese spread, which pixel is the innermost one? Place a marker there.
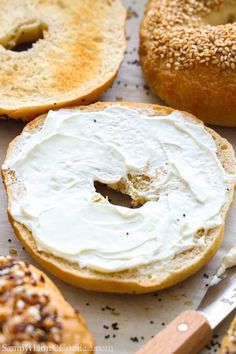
(58, 165)
(229, 261)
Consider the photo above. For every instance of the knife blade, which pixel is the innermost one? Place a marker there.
(220, 298)
(190, 331)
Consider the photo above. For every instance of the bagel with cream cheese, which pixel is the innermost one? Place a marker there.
(188, 55)
(70, 61)
(35, 315)
(179, 175)
(228, 345)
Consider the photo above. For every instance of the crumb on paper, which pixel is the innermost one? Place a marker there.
(12, 251)
(131, 13)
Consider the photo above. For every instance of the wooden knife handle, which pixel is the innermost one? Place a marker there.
(186, 334)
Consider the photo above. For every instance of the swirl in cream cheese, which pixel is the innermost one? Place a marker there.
(57, 167)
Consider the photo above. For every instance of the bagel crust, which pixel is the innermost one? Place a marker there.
(70, 61)
(188, 55)
(143, 279)
(33, 312)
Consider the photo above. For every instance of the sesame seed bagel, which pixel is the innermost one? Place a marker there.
(70, 61)
(140, 279)
(228, 345)
(33, 312)
(188, 55)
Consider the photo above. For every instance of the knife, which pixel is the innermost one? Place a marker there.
(190, 331)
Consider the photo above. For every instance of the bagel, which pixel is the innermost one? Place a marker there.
(34, 313)
(228, 345)
(146, 151)
(70, 61)
(188, 56)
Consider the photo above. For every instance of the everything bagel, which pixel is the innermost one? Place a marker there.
(34, 314)
(188, 55)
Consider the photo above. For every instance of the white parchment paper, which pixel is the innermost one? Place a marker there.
(122, 323)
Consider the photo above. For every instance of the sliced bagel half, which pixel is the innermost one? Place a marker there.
(56, 53)
(137, 279)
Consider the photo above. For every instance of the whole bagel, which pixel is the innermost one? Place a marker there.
(70, 59)
(188, 55)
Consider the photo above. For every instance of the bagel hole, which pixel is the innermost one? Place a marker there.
(217, 21)
(24, 36)
(231, 18)
(225, 16)
(23, 47)
(114, 197)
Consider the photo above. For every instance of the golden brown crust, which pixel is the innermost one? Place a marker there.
(70, 65)
(228, 345)
(187, 61)
(34, 312)
(134, 281)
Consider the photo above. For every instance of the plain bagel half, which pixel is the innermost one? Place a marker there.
(141, 279)
(187, 52)
(70, 61)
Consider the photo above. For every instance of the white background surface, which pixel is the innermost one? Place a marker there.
(136, 316)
